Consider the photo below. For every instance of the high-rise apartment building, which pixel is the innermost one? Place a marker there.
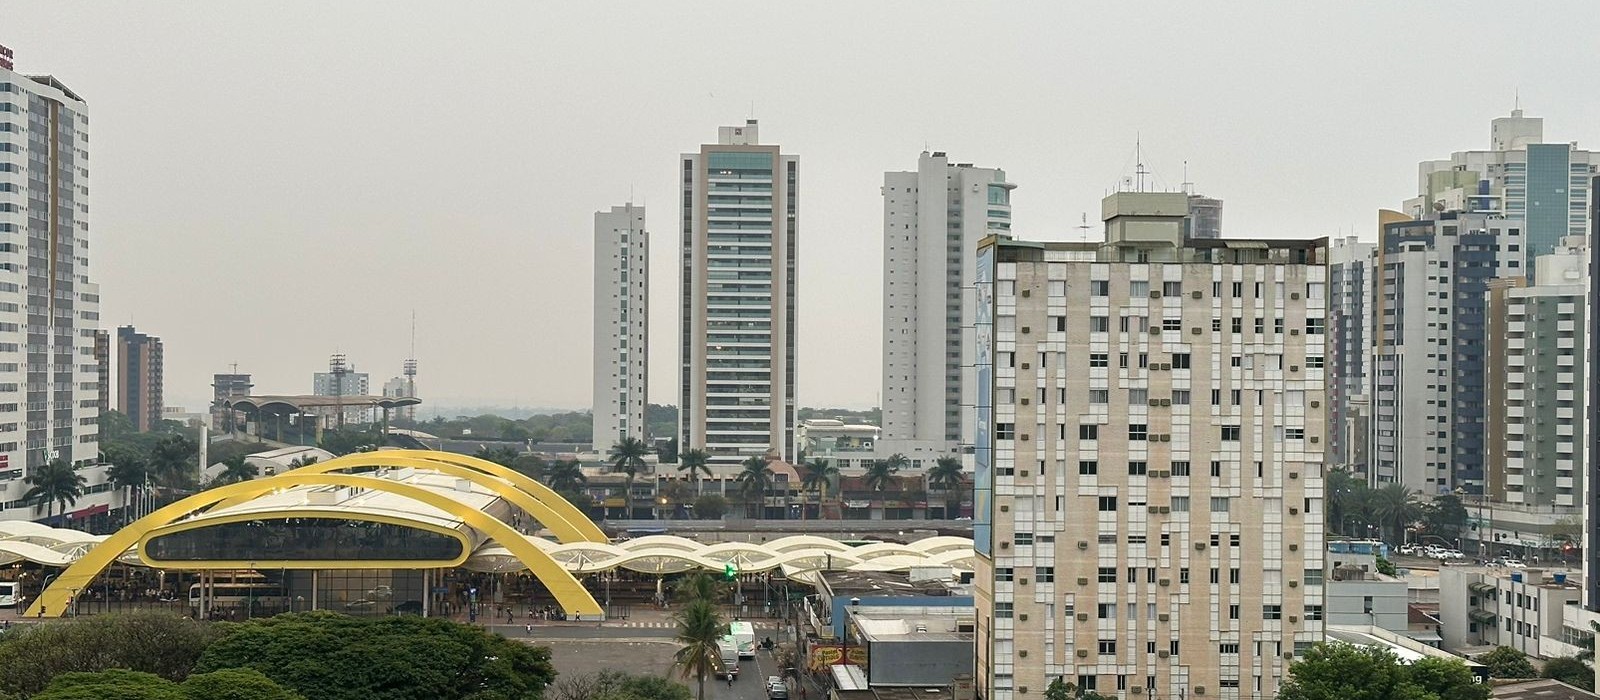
(1546, 185)
(223, 388)
(102, 361)
(49, 310)
(740, 226)
(933, 219)
(1349, 357)
(621, 325)
(351, 383)
(1590, 400)
(139, 378)
(1149, 466)
(1535, 351)
(1204, 219)
(1429, 297)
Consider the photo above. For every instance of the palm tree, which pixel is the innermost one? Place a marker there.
(565, 476)
(819, 475)
(946, 476)
(234, 470)
(55, 482)
(627, 457)
(700, 629)
(172, 461)
(1396, 506)
(882, 472)
(1341, 488)
(127, 471)
(695, 463)
(698, 586)
(754, 482)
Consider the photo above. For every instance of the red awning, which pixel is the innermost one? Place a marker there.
(86, 512)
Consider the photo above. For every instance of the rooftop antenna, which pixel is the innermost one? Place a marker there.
(1188, 187)
(337, 367)
(1083, 228)
(410, 366)
(1139, 171)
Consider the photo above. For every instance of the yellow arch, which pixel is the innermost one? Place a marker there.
(566, 589)
(563, 527)
(545, 494)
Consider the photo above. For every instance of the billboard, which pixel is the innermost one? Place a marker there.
(983, 443)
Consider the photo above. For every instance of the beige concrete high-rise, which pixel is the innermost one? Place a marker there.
(1149, 507)
(621, 325)
(740, 226)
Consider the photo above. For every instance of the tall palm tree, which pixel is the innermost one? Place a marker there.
(173, 462)
(627, 457)
(882, 472)
(1395, 506)
(234, 470)
(55, 482)
(302, 461)
(698, 586)
(700, 628)
(946, 476)
(695, 463)
(754, 482)
(128, 471)
(819, 475)
(565, 476)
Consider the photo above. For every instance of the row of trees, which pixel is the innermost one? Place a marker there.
(819, 476)
(1388, 512)
(319, 655)
(162, 459)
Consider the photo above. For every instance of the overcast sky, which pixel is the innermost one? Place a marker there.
(277, 181)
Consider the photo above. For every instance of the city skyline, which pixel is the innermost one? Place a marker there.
(404, 205)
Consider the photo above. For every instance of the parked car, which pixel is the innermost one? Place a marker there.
(776, 689)
(1513, 564)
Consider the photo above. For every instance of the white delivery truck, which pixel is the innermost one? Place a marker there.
(744, 634)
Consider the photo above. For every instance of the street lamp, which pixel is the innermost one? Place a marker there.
(855, 604)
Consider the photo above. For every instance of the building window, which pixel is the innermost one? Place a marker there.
(1183, 576)
(1313, 612)
(1088, 467)
(1172, 289)
(1107, 611)
(1108, 574)
(1002, 611)
(1089, 432)
(1180, 397)
(1099, 288)
(1108, 647)
(1002, 573)
(1294, 433)
(1228, 648)
(1172, 324)
(1229, 433)
(1314, 362)
(1044, 574)
(1180, 468)
(1108, 504)
(1137, 468)
(1005, 431)
(1023, 539)
(1216, 469)
(1099, 397)
(1315, 326)
(1272, 612)
(1137, 432)
(1099, 324)
(1219, 504)
(1099, 359)
(1233, 612)
(1180, 360)
(1180, 504)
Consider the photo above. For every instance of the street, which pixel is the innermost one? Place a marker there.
(654, 656)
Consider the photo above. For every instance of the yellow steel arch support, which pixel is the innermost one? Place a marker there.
(550, 517)
(566, 589)
(545, 494)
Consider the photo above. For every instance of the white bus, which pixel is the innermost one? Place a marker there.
(744, 634)
(9, 593)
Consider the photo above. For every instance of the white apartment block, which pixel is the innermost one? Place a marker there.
(1548, 185)
(621, 325)
(1537, 342)
(1349, 357)
(49, 309)
(740, 226)
(1429, 307)
(933, 219)
(1151, 427)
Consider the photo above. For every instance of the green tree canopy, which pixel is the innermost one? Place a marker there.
(616, 685)
(112, 684)
(1346, 672)
(235, 684)
(158, 643)
(1570, 671)
(1506, 662)
(328, 656)
(1446, 679)
(710, 507)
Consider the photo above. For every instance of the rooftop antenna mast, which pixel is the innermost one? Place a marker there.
(1188, 187)
(337, 368)
(1083, 228)
(410, 367)
(1139, 171)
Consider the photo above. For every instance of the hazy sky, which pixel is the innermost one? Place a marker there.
(277, 181)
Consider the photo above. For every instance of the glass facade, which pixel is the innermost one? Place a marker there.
(1547, 197)
(304, 539)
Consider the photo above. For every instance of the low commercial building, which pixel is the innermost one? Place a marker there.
(927, 651)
